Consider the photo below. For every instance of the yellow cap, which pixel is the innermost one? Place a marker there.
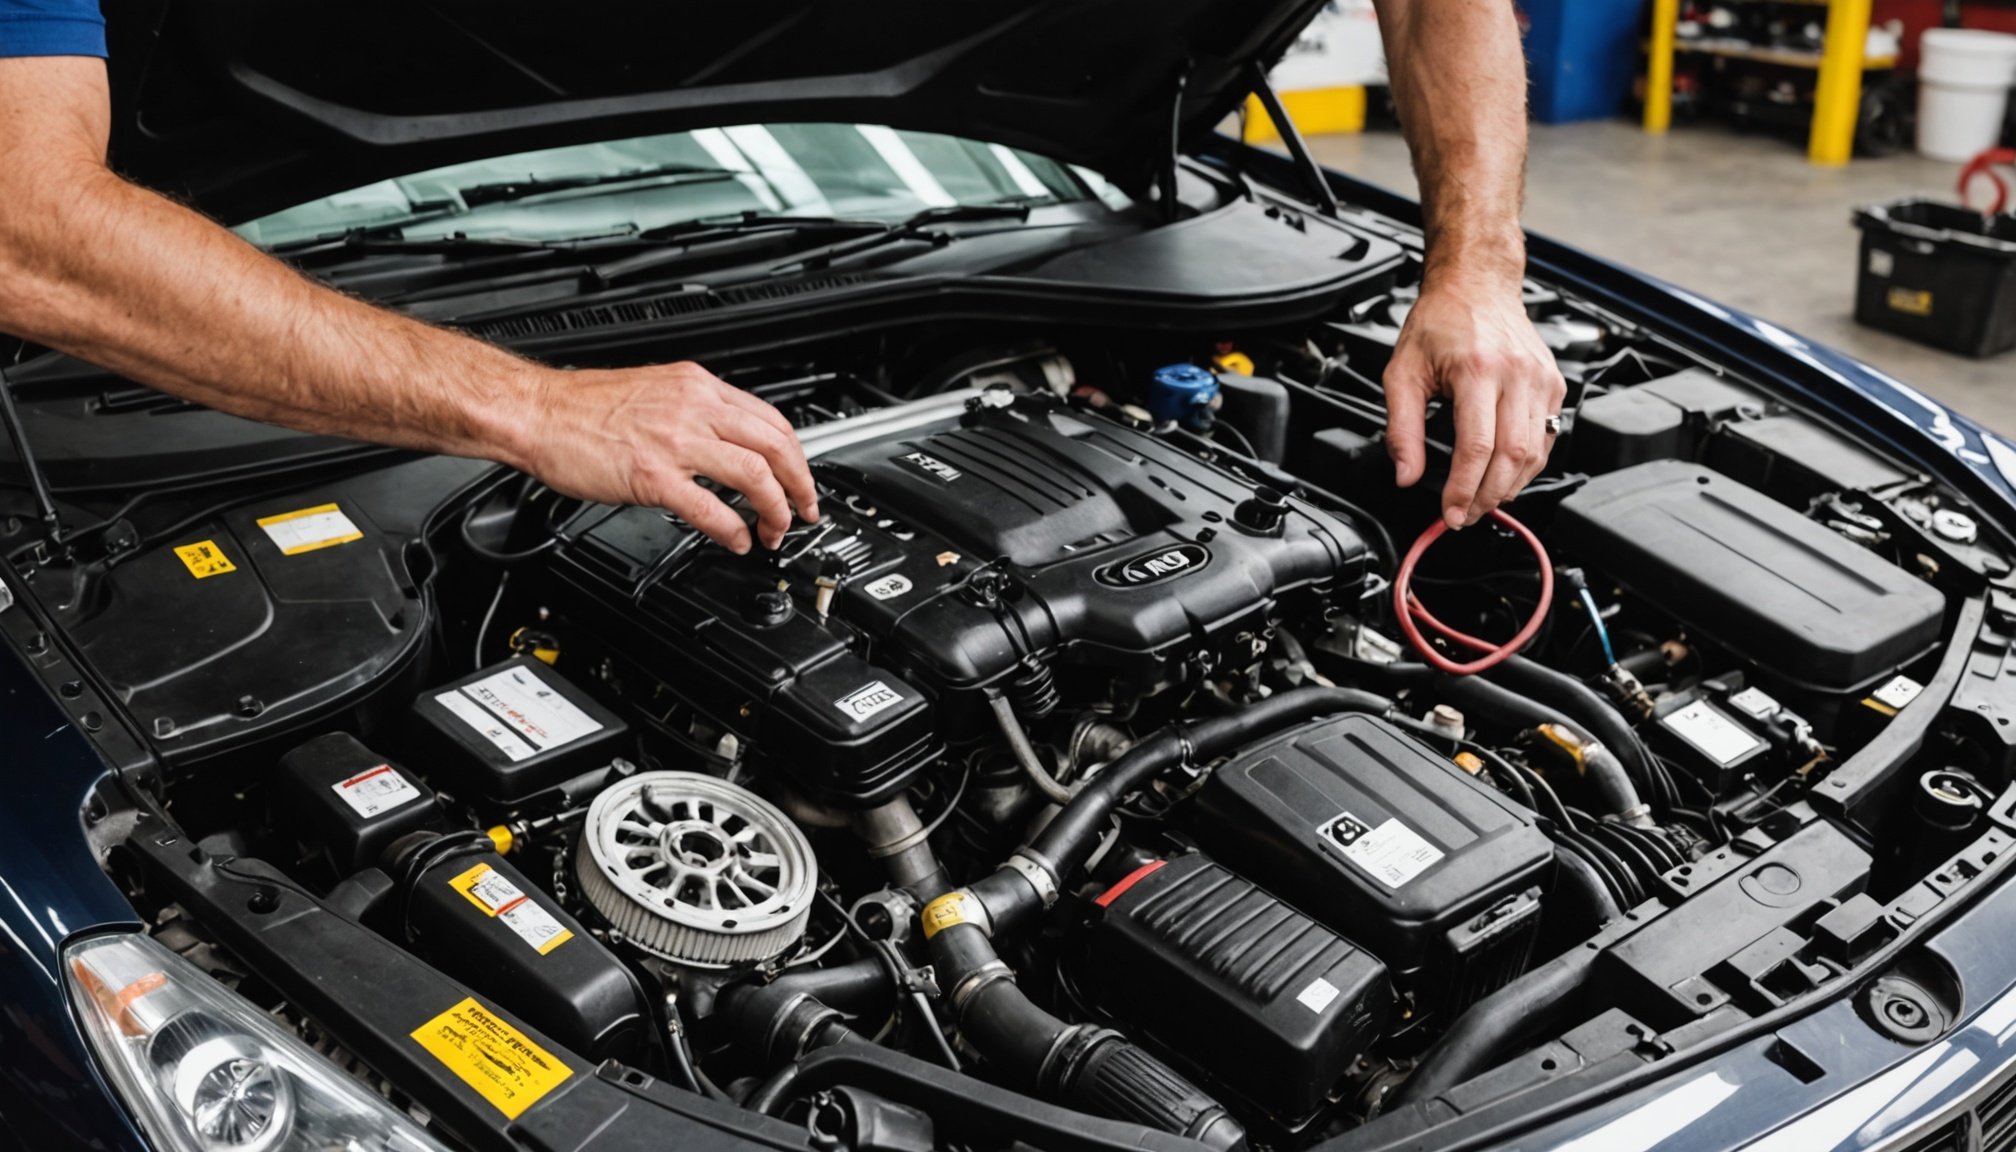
(1235, 362)
(501, 837)
(1470, 762)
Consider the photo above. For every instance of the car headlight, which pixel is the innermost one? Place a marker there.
(204, 1071)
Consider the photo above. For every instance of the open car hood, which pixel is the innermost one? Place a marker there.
(243, 107)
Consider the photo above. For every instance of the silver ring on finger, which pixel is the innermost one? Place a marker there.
(1553, 424)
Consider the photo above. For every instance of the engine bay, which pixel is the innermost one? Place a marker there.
(1076, 762)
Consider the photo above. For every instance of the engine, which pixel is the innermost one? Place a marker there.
(1077, 761)
(1009, 551)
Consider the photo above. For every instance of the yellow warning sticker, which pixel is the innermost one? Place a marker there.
(501, 1063)
(944, 912)
(1909, 300)
(205, 559)
(306, 529)
(497, 895)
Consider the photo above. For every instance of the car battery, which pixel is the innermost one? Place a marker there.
(349, 803)
(516, 729)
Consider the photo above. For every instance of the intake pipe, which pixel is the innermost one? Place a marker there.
(778, 1022)
(1082, 1066)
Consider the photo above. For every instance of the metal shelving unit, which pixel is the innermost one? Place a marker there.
(1837, 96)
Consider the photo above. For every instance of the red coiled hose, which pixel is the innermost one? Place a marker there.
(1407, 608)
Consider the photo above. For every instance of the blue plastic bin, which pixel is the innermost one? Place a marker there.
(1582, 56)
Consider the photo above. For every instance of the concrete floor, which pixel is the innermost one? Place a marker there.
(1741, 219)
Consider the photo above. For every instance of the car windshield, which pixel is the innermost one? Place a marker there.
(650, 182)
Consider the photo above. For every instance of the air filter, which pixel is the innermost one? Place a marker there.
(696, 870)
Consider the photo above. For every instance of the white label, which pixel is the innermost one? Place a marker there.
(535, 926)
(490, 727)
(1754, 704)
(1898, 692)
(1393, 853)
(309, 529)
(1881, 263)
(869, 699)
(379, 790)
(1711, 733)
(519, 713)
(888, 587)
(1318, 995)
(497, 895)
(494, 890)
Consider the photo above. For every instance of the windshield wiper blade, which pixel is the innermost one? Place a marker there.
(501, 191)
(745, 222)
(365, 241)
(915, 227)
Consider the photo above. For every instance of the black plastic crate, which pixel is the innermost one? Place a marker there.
(1940, 274)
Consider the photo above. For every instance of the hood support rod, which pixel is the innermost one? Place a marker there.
(45, 504)
(1319, 185)
(1166, 178)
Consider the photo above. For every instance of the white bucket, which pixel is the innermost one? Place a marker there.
(1964, 77)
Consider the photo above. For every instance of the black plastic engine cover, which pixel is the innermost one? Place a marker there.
(1225, 977)
(1369, 831)
(1748, 572)
(1116, 546)
(968, 553)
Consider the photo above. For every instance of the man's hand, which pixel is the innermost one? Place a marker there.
(1458, 78)
(194, 311)
(642, 436)
(1475, 346)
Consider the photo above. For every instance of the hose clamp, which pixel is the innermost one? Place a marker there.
(1037, 871)
(979, 978)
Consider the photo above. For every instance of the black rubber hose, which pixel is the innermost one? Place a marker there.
(856, 987)
(1485, 1033)
(1066, 842)
(1584, 705)
(1577, 882)
(771, 1020)
(1504, 705)
(1082, 1066)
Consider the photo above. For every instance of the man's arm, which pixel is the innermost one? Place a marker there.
(128, 280)
(1459, 81)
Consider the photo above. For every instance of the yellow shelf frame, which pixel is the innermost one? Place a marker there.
(1837, 97)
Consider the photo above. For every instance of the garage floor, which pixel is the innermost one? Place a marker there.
(1740, 219)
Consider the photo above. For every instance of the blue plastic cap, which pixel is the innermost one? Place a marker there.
(1183, 393)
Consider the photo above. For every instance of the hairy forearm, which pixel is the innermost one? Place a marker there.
(1458, 80)
(128, 280)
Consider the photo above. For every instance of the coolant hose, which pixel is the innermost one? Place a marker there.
(1582, 704)
(1488, 1029)
(1082, 1066)
(1489, 699)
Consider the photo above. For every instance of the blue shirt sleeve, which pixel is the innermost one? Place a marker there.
(51, 28)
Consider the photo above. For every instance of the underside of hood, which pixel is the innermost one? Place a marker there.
(243, 107)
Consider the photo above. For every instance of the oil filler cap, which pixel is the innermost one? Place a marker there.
(1263, 512)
